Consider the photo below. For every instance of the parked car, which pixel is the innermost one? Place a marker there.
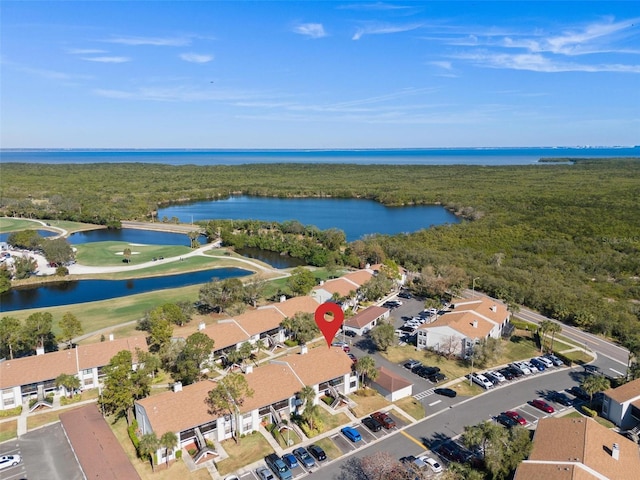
(277, 465)
(592, 369)
(453, 452)
(561, 398)
(350, 333)
(264, 473)
(304, 457)
(417, 463)
(530, 366)
(425, 371)
(352, 434)
(372, 424)
(437, 377)
(353, 358)
(317, 452)
(547, 361)
(290, 460)
(507, 373)
(447, 392)
(411, 364)
(521, 367)
(542, 405)
(406, 295)
(555, 360)
(579, 393)
(386, 421)
(539, 364)
(481, 380)
(7, 461)
(516, 416)
(433, 464)
(506, 420)
(491, 375)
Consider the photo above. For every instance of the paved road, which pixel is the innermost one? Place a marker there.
(592, 342)
(448, 422)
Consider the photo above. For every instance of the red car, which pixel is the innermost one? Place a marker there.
(386, 421)
(516, 416)
(542, 405)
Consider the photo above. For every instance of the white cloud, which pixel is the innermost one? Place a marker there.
(377, 29)
(537, 62)
(155, 41)
(196, 57)
(107, 59)
(85, 51)
(442, 64)
(311, 30)
(52, 74)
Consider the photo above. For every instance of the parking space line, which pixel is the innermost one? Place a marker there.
(426, 393)
(413, 439)
(435, 403)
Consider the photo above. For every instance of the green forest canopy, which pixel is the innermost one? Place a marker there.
(564, 239)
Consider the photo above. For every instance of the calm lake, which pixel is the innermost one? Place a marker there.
(132, 235)
(66, 293)
(355, 217)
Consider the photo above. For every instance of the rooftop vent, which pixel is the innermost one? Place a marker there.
(201, 326)
(177, 387)
(615, 451)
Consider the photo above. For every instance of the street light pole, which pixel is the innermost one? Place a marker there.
(473, 287)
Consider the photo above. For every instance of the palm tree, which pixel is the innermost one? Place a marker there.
(169, 441)
(594, 384)
(311, 415)
(366, 367)
(127, 254)
(307, 395)
(554, 328)
(148, 446)
(543, 328)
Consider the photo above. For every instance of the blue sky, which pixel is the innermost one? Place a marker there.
(331, 74)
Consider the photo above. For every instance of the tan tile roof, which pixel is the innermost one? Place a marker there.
(99, 354)
(484, 306)
(390, 381)
(177, 411)
(585, 441)
(366, 316)
(360, 277)
(550, 471)
(319, 364)
(626, 392)
(271, 383)
(38, 368)
(226, 333)
(291, 306)
(258, 321)
(462, 322)
(340, 286)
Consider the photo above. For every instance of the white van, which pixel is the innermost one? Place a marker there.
(481, 380)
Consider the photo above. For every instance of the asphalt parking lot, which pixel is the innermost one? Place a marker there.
(46, 454)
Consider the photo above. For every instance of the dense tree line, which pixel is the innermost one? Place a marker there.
(563, 239)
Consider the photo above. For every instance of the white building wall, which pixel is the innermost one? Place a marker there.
(10, 398)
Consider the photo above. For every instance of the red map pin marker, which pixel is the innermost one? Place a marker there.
(329, 327)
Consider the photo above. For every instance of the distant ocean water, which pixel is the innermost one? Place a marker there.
(425, 156)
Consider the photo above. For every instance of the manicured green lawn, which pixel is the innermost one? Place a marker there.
(250, 449)
(368, 404)
(8, 430)
(329, 448)
(14, 224)
(412, 406)
(111, 253)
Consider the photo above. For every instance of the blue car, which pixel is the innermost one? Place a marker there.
(538, 364)
(304, 457)
(290, 460)
(352, 434)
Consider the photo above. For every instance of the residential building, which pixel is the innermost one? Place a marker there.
(365, 320)
(27, 377)
(465, 323)
(275, 385)
(579, 449)
(621, 405)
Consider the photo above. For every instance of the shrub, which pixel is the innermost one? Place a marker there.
(178, 454)
(290, 343)
(327, 399)
(62, 271)
(131, 429)
(567, 361)
(192, 451)
(523, 325)
(11, 413)
(590, 412)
